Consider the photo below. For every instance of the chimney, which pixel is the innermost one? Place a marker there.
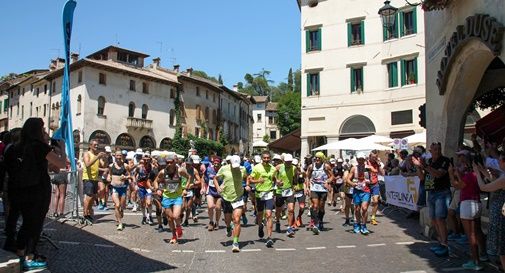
(156, 62)
(235, 87)
(189, 71)
(74, 57)
(176, 68)
(56, 64)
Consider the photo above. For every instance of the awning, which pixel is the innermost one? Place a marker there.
(288, 143)
(492, 126)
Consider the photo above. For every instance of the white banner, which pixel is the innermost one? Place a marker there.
(402, 191)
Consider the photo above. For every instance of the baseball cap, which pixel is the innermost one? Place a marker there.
(333, 161)
(361, 155)
(288, 157)
(124, 152)
(235, 161)
(320, 155)
(108, 149)
(196, 159)
(277, 157)
(170, 156)
(162, 161)
(340, 160)
(295, 161)
(257, 158)
(138, 151)
(228, 158)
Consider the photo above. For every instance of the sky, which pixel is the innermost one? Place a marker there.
(227, 37)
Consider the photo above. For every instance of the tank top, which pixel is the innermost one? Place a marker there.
(210, 173)
(142, 176)
(471, 191)
(374, 176)
(361, 176)
(171, 184)
(118, 172)
(91, 172)
(338, 172)
(318, 178)
(286, 175)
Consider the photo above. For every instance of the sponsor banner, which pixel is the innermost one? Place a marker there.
(402, 191)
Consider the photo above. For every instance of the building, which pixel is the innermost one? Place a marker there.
(465, 60)
(265, 119)
(361, 78)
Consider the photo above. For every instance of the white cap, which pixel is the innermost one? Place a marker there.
(235, 161)
(139, 151)
(340, 160)
(170, 156)
(147, 153)
(196, 159)
(277, 156)
(295, 161)
(332, 161)
(257, 158)
(130, 155)
(288, 157)
(108, 149)
(228, 158)
(361, 155)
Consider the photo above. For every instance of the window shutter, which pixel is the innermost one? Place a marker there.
(415, 69)
(308, 84)
(319, 38)
(353, 85)
(349, 34)
(401, 26)
(362, 32)
(307, 41)
(396, 26)
(404, 79)
(384, 33)
(394, 69)
(362, 79)
(414, 20)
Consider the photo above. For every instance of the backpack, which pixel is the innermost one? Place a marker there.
(21, 167)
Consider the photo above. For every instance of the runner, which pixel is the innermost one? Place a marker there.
(331, 189)
(285, 175)
(348, 192)
(300, 191)
(375, 169)
(171, 188)
(248, 168)
(359, 179)
(158, 195)
(262, 175)
(133, 184)
(197, 186)
(320, 176)
(119, 182)
(144, 189)
(338, 186)
(91, 160)
(103, 182)
(188, 180)
(213, 197)
(231, 189)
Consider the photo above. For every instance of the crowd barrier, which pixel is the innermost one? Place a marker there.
(401, 193)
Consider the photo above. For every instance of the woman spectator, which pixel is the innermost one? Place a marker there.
(496, 232)
(60, 182)
(27, 164)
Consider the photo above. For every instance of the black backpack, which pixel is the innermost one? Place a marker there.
(22, 168)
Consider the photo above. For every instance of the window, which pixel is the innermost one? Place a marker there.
(11, 112)
(270, 120)
(408, 22)
(356, 33)
(206, 94)
(31, 109)
(172, 118)
(53, 91)
(131, 109)
(313, 84)
(313, 40)
(172, 93)
(144, 111)
(356, 79)
(45, 89)
(198, 91)
(6, 105)
(17, 109)
(22, 111)
(409, 72)
(45, 109)
(258, 119)
(101, 78)
(392, 74)
(391, 32)
(37, 92)
(401, 117)
(79, 76)
(79, 104)
(198, 110)
(132, 85)
(207, 113)
(101, 106)
(214, 116)
(37, 111)
(273, 135)
(145, 88)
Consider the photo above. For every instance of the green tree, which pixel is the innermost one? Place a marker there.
(8, 77)
(220, 79)
(289, 112)
(204, 75)
(266, 138)
(297, 78)
(290, 80)
(257, 84)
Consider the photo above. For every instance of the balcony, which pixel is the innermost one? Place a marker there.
(139, 123)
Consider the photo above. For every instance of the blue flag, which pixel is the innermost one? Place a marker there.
(65, 131)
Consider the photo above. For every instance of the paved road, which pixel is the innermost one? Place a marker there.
(395, 245)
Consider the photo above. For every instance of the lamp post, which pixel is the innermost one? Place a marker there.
(388, 13)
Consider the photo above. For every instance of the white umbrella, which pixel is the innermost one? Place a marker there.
(377, 139)
(260, 143)
(417, 138)
(353, 144)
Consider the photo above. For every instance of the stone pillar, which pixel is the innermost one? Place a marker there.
(304, 147)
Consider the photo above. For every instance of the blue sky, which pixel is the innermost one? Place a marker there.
(230, 37)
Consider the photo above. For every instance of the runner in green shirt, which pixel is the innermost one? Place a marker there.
(285, 175)
(231, 191)
(262, 175)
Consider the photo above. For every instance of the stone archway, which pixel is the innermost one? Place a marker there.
(356, 126)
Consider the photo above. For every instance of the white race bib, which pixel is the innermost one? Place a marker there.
(340, 180)
(299, 194)
(266, 195)
(350, 191)
(317, 187)
(287, 192)
(237, 204)
(189, 193)
(172, 187)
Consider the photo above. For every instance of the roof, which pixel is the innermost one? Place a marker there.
(38, 73)
(272, 106)
(118, 49)
(116, 66)
(260, 99)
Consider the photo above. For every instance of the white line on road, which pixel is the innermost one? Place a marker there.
(316, 248)
(215, 251)
(176, 251)
(69, 243)
(374, 245)
(251, 250)
(350, 246)
(102, 245)
(140, 249)
(405, 243)
(450, 269)
(188, 251)
(285, 249)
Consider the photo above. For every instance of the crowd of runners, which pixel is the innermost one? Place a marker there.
(169, 189)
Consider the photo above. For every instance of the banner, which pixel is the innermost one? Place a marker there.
(65, 130)
(402, 191)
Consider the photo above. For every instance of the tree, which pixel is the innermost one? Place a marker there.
(202, 74)
(257, 84)
(7, 77)
(220, 79)
(266, 138)
(492, 99)
(289, 112)
(290, 80)
(297, 78)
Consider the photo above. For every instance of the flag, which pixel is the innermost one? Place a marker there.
(65, 131)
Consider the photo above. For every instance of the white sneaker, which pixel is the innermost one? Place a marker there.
(135, 208)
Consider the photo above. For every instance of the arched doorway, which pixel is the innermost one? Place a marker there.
(166, 144)
(101, 136)
(125, 141)
(356, 126)
(147, 142)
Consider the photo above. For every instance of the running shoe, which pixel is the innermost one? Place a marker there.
(165, 220)
(210, 227)
(290, 232)
(346, 223)
(320, 226)
(278, 227)
(120, 227)
(105, 207)
(144, 221)
(100, 207)
(334, 203)
(33, 264)
(373, 222)
(462, 240)
(472, 266)
(284, 216)
(315, 230)
(216, 226)
(178, 230)
(436, 248)
(149, 221)
(299, 222)
(229, 230)
(483, 257)
(453, 237)
(135, 207)
(269, 243)
(244, 219)
(130, 205)
(195, 219)
(186, 223)
(160, 228)
(235, 248)
(357, 228)
(364, 230)
(261, 233)
(442, 252)
(173, 240)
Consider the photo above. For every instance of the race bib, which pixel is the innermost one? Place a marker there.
(172, 187)
(287, 192)
(189, 193)
(266, 195)
(317, 187)
(360, 186)
(351, 190)
(299, 194)
(429, 184)
(340, 180)
(237, 204)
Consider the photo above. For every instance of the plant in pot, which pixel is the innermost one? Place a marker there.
(412, 78)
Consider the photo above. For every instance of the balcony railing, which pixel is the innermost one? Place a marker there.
(139, 123)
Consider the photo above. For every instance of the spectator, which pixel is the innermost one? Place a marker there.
(394, 167)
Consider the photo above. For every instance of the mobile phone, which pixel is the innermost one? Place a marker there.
(54, 142)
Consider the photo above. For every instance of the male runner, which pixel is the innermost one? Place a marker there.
(359, 178)
(320, 175)
(285, 175)
(374, 165)
(92, 163)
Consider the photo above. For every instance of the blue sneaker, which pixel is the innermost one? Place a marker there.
(315, 230)
(364, 230)
(472, 266)
(436, 248)
(442, 252)
(290, 232)
(462, 240)
(100, 207)
(453, 237)
(33, 264)
(357, 228)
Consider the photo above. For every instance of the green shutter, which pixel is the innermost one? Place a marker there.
(6, 104)
(349, 34)
(390, 74)
(307, 41)
(404, 79)
(353, 86)
(415, 69)
(308, 84)
(362, 79)
(394, 67)
(362, 27)
(319, 39)
(396, 26)
(400, 26)
(414, 20)
(384, 33)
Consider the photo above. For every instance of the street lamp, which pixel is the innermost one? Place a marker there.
(388, 13)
